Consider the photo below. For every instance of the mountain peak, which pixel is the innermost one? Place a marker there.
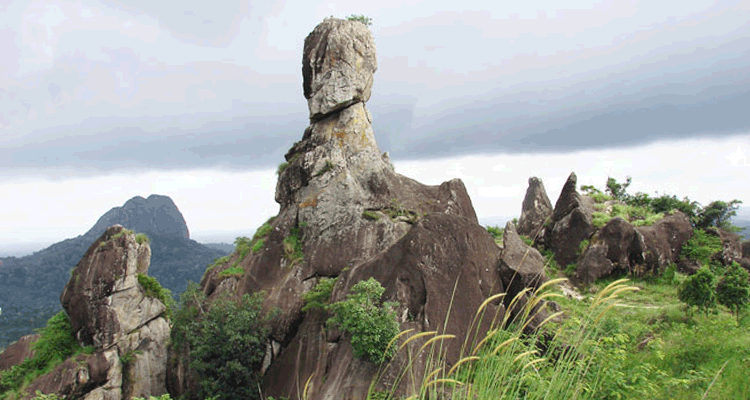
(156, 214)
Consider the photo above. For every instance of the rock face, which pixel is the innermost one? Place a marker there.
(732, 249)
(338, 64)
(571, 224)
(17, 352)
(659, 245)
(521, 265)
(609, 251)
(535, 211)
(346, 213)
(109, 310)
(157, 214)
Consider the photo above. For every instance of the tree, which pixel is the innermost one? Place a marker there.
(718, 213)
(226, 341)
(733, 290)
(618, 190)
(699, 290)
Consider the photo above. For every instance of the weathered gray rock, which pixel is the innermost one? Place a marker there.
(571, 224)
(353, 217)
(745, 249)
(109, 310)
(521, 265)
(732, 249)
(535, 211)
(338, 64)
(594, 264)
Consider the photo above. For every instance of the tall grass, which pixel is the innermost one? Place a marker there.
(555, 361)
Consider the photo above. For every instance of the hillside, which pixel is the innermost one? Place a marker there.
(30, 286)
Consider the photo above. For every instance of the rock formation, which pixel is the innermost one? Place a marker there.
(659, 245)
(346, 213)
(110, 311)
(571, 223)
(535, 211)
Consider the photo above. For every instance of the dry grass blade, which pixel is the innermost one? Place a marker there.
(436, 338)
(415, 337)
(462, 361)
(503, 344)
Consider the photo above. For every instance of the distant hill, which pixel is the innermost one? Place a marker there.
(221, 246)
(30, 286)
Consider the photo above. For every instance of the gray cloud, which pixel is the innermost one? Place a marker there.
(219, 87)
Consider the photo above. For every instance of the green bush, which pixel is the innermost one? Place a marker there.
(281, 168)
(699, 290)
(496, 232)
(701, 247)
(733, 290)
(226, 342)
(56, 343)
(154, 289)
(242, 246)
(372, 326)
(293, 246)
(141, 238)
(361, 18)
(320, 295)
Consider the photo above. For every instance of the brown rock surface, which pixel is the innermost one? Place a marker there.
(17, 352)
(571, 224)
(535, 211)
(659, 245)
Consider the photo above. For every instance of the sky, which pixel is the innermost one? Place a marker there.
(103, 100)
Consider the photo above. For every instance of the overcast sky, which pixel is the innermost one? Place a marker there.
(104, 100)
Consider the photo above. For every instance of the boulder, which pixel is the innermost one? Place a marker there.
(76, 377)
(521, 265)
(732, 249)
(338, 64)
(17, 352)
(593, 265)
(659, 245)
(571, 224)
(608, 251)
(535, 211)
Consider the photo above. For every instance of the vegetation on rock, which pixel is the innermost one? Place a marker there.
(226, 342)
(153, 288)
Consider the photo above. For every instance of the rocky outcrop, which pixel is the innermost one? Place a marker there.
(156, 214)
(732, 249)
(17, 352)
(110, 311)
(521, 265)
(659, 245)
(609, 250)
(346, 213)
(571, 224)
(535, 211)
(337, 66)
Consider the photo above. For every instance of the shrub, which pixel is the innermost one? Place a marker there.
(618, 190)
(154, 289)
(699, 290)
(372, 326)
(361, 18)
(280, 169)
(701, 247)
(226, 342)
(733, 290)
(56, 343)
(717, 213)
(320, 295)
(242, 246)
(293, 246)
(141, 238)
(496, 232)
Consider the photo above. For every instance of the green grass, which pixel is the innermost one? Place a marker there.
(236, 272)
(293, 246)
(701, 247)
(141, 238)
(56, 343)
(370, 215)
(153, 288)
